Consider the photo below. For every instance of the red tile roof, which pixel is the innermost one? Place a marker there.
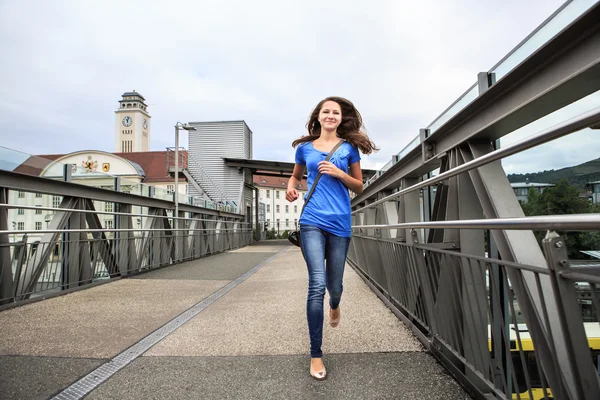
(154, 164)
(275, 182)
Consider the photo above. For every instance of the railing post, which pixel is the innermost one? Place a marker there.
(585, 383)
(6, 277)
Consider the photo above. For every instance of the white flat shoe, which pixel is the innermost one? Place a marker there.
(320, 375)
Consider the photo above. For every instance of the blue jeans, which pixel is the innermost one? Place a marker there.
(317, 243)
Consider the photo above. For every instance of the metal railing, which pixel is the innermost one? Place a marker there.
(93, 235)
(454, 256)
(464, 308)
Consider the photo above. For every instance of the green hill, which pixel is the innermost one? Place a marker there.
(577, 175)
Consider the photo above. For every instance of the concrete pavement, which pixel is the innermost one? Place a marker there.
(249, 343)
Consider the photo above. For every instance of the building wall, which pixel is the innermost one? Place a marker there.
(277, 208)
(208, 145)
(596, 193)
(521, 192)
(103, 163)
(136, 133)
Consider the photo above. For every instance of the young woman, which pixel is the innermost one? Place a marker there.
(326, 224)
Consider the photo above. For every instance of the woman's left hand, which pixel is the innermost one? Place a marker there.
(329, 168)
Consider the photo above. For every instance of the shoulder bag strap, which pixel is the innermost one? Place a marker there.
(312, 189)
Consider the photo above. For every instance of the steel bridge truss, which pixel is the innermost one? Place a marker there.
(454, 256)
(76, 250)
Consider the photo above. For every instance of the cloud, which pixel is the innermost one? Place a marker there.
(266, 62)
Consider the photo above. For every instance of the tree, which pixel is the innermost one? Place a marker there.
(559, 200)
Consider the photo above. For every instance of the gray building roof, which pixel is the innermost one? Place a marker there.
(133, 94)
(529, 184)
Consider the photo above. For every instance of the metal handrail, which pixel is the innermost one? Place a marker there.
(569, 222)
(74, 210)
(121, 230)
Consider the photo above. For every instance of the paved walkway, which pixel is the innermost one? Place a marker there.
(238, 331)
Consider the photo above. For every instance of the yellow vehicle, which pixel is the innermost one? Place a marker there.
(592, 330)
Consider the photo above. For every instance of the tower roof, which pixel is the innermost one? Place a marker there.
(134, 93)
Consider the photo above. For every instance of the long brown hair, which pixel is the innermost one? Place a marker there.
(351, 128)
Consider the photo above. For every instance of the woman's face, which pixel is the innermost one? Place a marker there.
(330, 115)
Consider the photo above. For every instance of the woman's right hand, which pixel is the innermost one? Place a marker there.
(291, 195)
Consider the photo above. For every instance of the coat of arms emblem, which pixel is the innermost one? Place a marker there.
(105, 167)
(90, 165)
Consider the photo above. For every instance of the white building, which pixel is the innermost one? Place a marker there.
(280, 215)
(140, 171)
(522, 188)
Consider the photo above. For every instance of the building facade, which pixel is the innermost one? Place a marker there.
(280, 215)
(522, 189)
(138, 170)
(138, 173)
(595, 187)
(209, 144)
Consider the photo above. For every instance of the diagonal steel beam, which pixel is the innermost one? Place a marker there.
(499, 201)
(36, 263)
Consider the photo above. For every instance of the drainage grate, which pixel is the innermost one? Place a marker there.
(92, 380)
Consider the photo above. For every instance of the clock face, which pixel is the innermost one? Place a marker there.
(145, 124)
(127, 121)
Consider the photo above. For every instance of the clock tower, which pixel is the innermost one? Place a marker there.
(132, 124)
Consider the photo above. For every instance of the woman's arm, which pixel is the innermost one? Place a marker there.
(292, 194)
(352, 181)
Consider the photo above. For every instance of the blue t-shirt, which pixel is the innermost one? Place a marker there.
(329, 205)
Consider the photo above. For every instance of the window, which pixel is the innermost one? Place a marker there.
(287, 223)
(38, 211)
(170, 188)
(287, 208)
(56, 201)
(268, 194)
(38, 195)
(20, 211)
(268, 208)
(109, 224)
(38, 226)
(277, 194)
(296, 209)
(277, 208)
(21, 194)
(20, 226)
(108, 207)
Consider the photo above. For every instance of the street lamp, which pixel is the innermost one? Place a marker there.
(188, 128)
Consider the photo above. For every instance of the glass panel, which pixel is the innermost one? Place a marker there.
(23, 163)
(163, 194)
(461, 103)
(570, 13)
(409, 147)
(132, 187)
(387, 166)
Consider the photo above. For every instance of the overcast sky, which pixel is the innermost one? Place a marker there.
(66, 64)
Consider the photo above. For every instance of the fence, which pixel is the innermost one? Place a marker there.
(440, 235)
(92, 234)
